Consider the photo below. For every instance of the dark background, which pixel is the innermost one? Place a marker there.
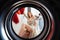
(55, 5)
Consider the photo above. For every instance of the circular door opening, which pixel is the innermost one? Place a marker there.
(27, 22)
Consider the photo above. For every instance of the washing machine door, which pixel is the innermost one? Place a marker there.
(27, 20)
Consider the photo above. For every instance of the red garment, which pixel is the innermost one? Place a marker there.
(15, 17)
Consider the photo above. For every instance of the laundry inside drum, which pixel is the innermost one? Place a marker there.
(27, 22)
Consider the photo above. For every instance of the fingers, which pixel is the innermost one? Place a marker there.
(25, 31)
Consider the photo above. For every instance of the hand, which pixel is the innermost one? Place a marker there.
(25, 31)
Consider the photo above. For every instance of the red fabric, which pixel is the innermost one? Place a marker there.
(15, 17)
(22, 10)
